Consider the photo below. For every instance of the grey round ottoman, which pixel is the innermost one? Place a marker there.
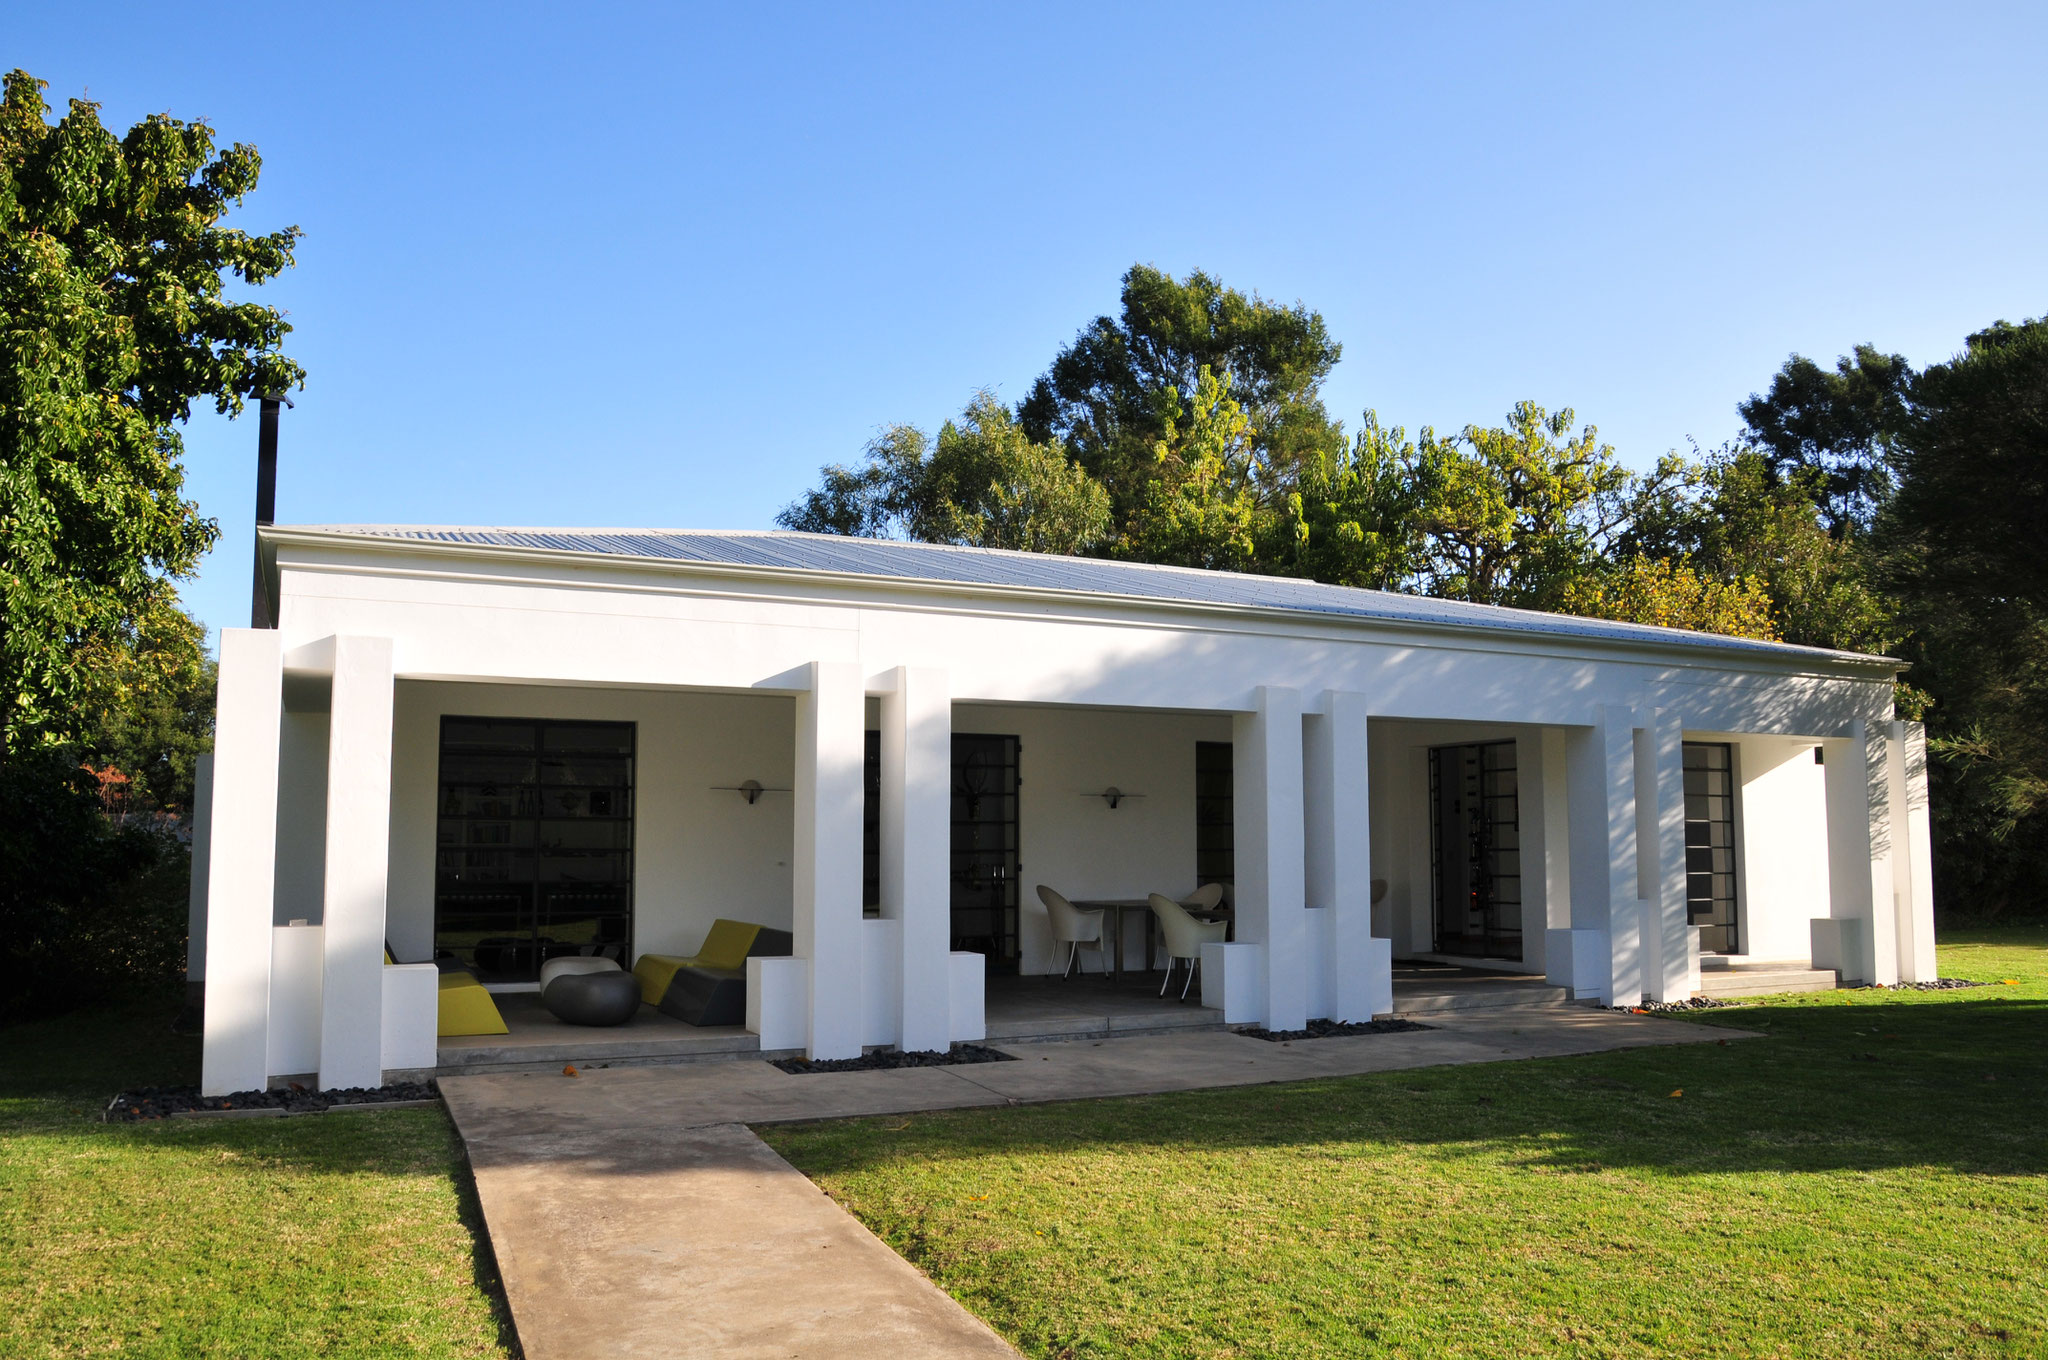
(598, 998)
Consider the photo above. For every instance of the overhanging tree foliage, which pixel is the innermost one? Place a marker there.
(114, 319)
(1110, 394)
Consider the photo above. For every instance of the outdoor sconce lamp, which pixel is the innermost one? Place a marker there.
(751, 790)
(1112, 796)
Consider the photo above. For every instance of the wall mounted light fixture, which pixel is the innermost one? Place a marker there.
(751, 790)
(1112, 795)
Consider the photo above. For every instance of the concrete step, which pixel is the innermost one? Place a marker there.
(1032, 1029)
(1421, 999)
(527, 1052)
(1721, 983)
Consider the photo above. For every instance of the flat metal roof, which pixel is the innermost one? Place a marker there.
(831, 554)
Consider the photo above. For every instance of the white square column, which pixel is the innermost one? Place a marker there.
(1913, 860)
(1270, 852)
(241, 849)
(1863, 918)
(916, 849)
(1338, 830)
(831, 737)
(358, 860)
(1600, 955)
(1670, 962)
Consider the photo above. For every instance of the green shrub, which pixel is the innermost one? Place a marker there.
(89, 911)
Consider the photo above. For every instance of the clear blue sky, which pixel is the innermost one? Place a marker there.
(604, 265)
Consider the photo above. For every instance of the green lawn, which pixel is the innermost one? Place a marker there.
(1868, 1180)
(330, 1235)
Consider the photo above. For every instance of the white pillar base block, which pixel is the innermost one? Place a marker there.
(881, 949)
(778, 1001)
(967, 987)
(412, 1005)
(295, 959)
(1580, 960)
(1838, 945)
(1234, 982)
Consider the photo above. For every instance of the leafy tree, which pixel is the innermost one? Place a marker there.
(1840, 427)
(114, 319)
(1517, 512)
(1355, 518)
(1672, 594)
(1960, 548)
(981, 483)
(1109, 395)
(150, 711)
(1731, 519)
(1200, 509)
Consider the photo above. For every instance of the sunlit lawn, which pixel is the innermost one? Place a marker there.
(1868, 1180)
(348, 1235)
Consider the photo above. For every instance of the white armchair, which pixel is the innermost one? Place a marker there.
(1073, 928)
(1185, 937)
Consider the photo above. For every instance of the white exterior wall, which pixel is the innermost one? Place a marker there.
(1400, 832)
(1070, 838)
(711, 662)
(700, 851)
(1781, 836)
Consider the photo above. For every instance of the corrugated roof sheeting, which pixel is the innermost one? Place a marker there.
(1038, 571)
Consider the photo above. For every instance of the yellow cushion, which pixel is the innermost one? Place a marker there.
(727, 944)
(466, 1008)
(655, 972)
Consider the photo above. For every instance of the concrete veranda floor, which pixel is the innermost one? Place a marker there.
(634, 1214)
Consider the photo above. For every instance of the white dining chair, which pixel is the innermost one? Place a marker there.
(1073, 928)
(1205, 898)
(1185, 937)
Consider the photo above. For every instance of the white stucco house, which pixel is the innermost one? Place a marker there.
(498, 742)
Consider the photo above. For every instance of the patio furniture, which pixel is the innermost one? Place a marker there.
(1185, 937)
(1073, 928)
(709, 987)
(589, 991)
(1208, 897)
(464, 1007)
(1115, 909)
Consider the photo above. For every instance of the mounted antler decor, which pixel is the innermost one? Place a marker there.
(751, 790)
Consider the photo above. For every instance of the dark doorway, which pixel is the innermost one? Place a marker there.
(1215, 813)
(1710, 844)
(1475, 849)
(534, 852)
(984, 840)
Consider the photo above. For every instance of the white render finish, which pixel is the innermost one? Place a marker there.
(916, 830)
(831, 720)
(733, 672)
(1337, 793)
(1271, 851)
(357, 861)
(241, 847)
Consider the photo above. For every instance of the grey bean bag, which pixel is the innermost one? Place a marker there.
(594, 998)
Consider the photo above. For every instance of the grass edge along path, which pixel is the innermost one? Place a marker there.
(355, 1234)
(1869, 1180)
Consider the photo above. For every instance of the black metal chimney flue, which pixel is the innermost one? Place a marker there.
(266, 502)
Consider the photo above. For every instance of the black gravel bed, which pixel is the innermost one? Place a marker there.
(956, 1056)
(161, 1102)
(1697, 1003)
(1330, 1029)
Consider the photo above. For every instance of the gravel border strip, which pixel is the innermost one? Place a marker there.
(957, 1056)
(1331, 1029)
(167, 1102)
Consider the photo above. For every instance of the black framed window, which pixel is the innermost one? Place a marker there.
(534, 846)
(1215, 813)
(1710, 845)
(1476, 849)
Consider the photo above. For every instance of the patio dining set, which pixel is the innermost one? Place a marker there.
(1182, 927)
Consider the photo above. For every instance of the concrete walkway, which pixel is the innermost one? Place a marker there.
(633, 1214)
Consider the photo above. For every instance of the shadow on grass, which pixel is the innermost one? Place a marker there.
(1960, 1086)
